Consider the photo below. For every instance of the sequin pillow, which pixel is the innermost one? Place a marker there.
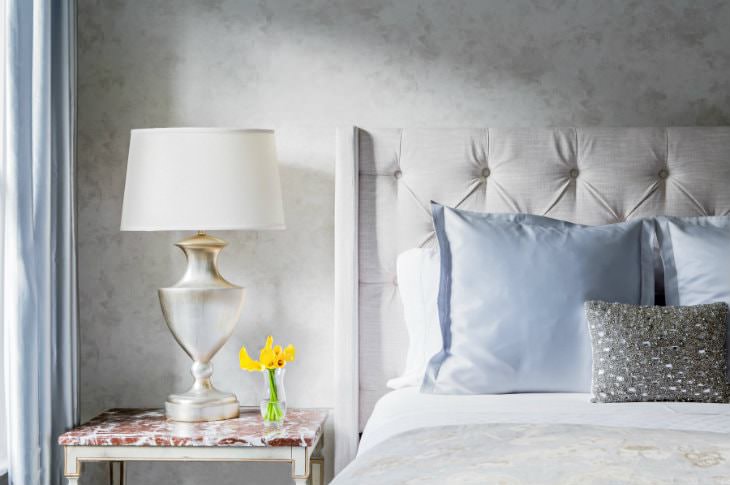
(653, 353)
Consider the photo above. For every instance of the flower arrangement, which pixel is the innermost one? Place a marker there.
(271, 363)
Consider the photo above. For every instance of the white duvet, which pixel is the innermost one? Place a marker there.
(543, 454)
(546, 439)
(407, 409)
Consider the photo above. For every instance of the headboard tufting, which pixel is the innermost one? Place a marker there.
(386, 178)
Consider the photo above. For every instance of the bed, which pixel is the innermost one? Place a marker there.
(385, 179)
(539, 438)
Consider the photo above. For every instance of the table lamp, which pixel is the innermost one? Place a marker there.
(201, 179)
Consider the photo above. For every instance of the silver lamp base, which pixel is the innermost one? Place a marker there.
(188, 408)
(202, 310)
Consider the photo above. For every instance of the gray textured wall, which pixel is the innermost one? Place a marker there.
(304, 67)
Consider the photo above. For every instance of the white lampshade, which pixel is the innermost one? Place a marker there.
(202, 179)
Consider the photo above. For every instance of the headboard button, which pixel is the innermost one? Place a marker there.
(485, 172)
(397, 174)
(574, 173)
(663, 173)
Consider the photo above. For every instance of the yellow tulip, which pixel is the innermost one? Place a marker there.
(289, 353)
(280, 356)
(247, 362)
(268, 358)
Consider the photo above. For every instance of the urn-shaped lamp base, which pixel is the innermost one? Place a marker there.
(202, 310)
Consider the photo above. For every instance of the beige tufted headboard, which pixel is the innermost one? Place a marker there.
(386, 178)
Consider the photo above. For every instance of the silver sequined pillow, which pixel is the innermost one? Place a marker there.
(654, 353)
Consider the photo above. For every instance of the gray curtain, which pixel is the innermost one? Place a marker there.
(39, 306)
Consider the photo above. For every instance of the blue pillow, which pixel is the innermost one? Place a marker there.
(511, 298)
(696, 256)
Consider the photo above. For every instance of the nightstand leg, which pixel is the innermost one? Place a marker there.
(301, 465)
(317, 471)
(116, 473)
(71, 465)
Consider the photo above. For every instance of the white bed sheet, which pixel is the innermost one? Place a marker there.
(408, 409)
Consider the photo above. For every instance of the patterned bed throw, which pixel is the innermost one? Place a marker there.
(543, 454)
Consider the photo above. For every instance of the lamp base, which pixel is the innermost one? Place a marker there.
(190, 408)
(201, 310)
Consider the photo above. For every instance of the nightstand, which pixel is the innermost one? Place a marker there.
(121, 435)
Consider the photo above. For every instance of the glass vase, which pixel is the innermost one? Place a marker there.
(273, 401)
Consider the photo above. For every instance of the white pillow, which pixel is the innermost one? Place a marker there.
(418, 273)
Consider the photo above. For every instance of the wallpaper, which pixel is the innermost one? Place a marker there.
(304, 67)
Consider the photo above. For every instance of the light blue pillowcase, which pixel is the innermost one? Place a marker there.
(696, 256)
(511, 298)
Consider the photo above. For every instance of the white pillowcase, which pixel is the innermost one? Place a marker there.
(418, 273)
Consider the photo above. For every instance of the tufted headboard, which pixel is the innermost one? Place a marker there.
(386, 178)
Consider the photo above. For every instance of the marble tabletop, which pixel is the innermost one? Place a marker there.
(149, 427)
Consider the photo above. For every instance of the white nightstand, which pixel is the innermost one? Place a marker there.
(121, 435)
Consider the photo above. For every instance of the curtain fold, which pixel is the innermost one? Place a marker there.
(39, 307)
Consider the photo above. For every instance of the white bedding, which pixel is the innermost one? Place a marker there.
(407, 409)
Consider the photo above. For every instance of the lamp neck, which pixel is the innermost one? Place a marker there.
(202, 252)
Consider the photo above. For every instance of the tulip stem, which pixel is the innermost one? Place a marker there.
(273, 410)
(272, 385)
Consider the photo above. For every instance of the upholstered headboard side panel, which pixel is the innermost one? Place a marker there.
(584, 175)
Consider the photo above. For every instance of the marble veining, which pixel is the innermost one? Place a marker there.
(149, 427)
(545, 454)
